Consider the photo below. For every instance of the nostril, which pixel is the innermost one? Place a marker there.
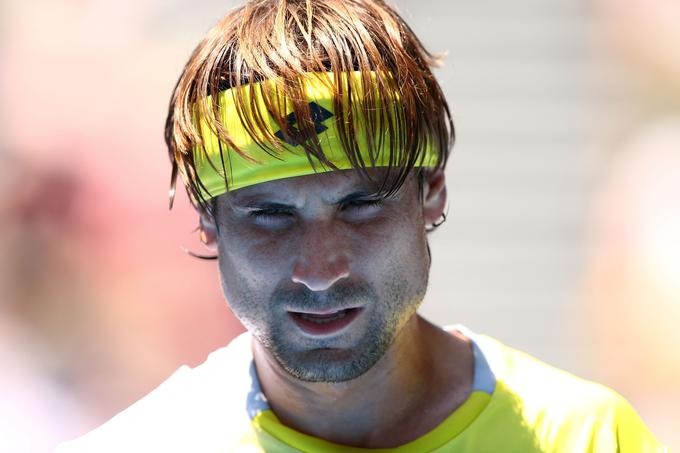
(320, 276)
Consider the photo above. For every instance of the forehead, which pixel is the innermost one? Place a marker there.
(329, 186)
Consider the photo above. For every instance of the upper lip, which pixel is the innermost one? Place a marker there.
(321, 312)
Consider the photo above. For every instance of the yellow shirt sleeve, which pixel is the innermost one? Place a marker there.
(632, 435)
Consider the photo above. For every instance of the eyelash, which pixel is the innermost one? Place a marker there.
(360, 204)
(268, 213)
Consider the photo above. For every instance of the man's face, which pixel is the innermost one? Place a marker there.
(322, 272)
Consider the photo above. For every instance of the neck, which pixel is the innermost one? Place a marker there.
(428, 370)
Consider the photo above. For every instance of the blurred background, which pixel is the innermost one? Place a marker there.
(563, 235)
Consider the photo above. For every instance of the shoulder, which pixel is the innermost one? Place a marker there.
(559, 409)
(190, 411)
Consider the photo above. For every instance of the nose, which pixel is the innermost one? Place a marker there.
(321, 261)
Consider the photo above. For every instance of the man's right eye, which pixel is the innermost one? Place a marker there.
(271, 216)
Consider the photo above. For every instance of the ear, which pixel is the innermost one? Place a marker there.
(434, 196)
(208, 231)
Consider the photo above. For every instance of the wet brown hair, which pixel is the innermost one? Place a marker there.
(281, 40)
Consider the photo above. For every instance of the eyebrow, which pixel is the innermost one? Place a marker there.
(358, 195)
(262, 202)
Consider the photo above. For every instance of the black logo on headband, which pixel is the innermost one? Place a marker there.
(319, 115)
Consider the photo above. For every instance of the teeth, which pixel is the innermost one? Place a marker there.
(324, 319)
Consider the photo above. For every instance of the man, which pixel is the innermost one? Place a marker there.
(312, 138)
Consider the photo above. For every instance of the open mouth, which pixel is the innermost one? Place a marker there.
(325, 323)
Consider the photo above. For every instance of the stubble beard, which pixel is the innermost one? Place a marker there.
(388, 315)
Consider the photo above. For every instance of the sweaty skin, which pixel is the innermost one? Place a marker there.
(323, 242)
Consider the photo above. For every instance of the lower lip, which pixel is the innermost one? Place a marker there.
(326, 327)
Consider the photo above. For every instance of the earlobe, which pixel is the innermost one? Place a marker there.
(208, 232)
(434, 196)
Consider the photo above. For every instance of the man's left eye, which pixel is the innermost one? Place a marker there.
(362, 207)
(362, 204)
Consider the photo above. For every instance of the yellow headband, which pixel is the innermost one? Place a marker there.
(219, 165)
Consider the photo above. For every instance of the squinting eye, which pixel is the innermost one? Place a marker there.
(362, 209)
(271, 217)
(363, 204)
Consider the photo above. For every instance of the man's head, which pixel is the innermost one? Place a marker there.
(312, 137)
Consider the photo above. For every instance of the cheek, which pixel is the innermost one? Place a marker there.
(250, 267)
(397, 246)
